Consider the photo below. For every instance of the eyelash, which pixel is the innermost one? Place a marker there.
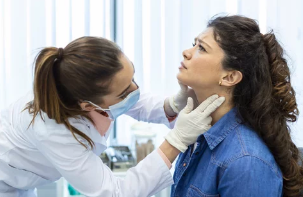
(126, 93)
(123, 96)
(201, 48)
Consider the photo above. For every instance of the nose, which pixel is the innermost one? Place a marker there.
(134, 86)
(186, 54)
(137, 87)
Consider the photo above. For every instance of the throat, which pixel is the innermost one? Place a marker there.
(220, 111)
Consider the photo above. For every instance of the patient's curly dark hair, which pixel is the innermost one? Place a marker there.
(264, 98)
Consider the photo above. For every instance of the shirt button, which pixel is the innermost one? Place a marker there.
(184, 164)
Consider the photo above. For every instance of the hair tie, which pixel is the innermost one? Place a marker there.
(60, 54)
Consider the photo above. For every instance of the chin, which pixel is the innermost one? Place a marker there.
(182, 79)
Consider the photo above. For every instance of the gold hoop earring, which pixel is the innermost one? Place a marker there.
(220, 83)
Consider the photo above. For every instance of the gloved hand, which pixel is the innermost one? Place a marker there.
(178, 101)
(191, 124)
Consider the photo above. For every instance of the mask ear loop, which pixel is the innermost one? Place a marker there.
(103, 111)
(97, 106)
(79, 103)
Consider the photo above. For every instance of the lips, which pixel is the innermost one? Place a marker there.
(182, 66)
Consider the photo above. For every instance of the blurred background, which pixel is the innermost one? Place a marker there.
(152, 33)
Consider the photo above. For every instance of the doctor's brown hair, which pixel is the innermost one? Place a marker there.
(63, 77)
(264, 98)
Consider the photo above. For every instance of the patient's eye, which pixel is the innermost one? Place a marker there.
(201, 48)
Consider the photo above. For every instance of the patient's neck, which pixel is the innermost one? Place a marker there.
(222, 110)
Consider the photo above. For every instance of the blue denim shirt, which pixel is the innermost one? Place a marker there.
(230, 160)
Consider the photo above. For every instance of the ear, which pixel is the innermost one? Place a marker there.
(231, 78)
(86, 106)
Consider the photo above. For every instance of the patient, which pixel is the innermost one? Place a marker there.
(248, 151)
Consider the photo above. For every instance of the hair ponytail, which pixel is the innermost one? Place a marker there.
(63, 77)
(46, 96)
(286, 107)
(45, 89)
(283, 93)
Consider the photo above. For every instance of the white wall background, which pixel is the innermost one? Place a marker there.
(152, 33)
(28, 25)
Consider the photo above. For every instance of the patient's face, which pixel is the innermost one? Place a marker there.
(202, 63)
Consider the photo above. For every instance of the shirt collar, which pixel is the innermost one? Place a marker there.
(87, 127)
(222, 128)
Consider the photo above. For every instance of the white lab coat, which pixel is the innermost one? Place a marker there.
(46, 151)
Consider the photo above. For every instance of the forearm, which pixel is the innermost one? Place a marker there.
(150, 109)
(169, 151)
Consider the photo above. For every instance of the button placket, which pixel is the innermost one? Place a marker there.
(181, 169)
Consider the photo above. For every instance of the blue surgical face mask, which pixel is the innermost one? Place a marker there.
(114, 111)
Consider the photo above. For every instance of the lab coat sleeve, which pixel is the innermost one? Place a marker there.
(86, 172)
(150, 108)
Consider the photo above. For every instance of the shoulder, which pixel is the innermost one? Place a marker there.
(252, 166)
(250, 176)
(243, 147)
(46, 129)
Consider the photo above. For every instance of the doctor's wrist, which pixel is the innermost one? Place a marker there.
(169, 151)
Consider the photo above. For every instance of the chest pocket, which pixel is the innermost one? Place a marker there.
(195, 192)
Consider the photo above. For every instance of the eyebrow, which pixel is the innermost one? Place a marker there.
(124, 91)
(201, 41)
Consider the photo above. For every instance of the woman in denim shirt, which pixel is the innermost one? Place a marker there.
(248, 151)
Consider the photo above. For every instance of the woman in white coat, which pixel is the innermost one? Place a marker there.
(61, 128)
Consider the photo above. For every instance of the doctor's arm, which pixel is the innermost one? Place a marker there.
(85, 171)
(155, 109)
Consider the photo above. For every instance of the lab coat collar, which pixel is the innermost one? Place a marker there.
(89, 129)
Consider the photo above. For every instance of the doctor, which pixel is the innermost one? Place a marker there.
(62, 127)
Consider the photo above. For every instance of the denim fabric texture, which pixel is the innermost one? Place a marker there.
(230, 160)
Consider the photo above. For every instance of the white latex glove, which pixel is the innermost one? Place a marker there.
(191, 124)
(178, 101)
